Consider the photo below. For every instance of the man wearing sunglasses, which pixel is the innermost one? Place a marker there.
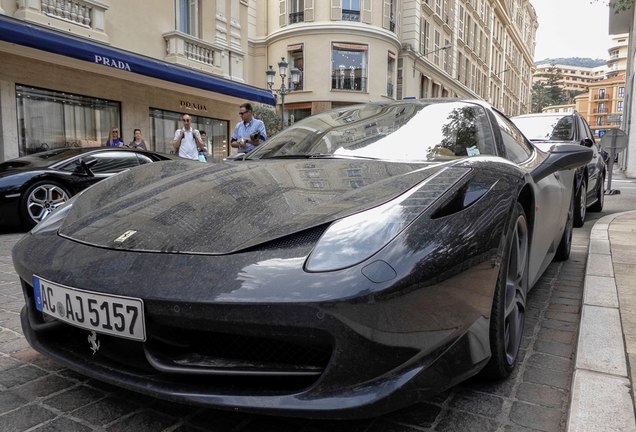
(249, 132)
(187, 141)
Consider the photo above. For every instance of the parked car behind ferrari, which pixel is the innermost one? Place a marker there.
(571, 127)
(359, 261)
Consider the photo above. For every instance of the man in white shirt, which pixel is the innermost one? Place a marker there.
(187, 141)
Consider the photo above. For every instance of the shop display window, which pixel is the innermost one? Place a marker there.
(49, 119)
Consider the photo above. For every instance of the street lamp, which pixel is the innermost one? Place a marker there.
(283, 90)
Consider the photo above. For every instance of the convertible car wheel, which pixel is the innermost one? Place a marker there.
(509, 303)
(580, 204)
(600, 196)
(41, 199)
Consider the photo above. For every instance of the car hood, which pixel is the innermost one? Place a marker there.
(189, 207)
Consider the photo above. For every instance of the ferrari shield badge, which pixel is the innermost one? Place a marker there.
(92, 339)
(125, 236)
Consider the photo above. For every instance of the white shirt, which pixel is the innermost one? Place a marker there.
(188, 147)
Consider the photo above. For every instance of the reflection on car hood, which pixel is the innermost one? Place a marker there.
(188, 207)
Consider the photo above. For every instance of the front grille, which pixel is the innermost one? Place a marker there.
(216, 353)
(199, 360)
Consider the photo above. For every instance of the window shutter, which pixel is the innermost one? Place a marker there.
(282, 10)
(386, 14)
(309, 10)
(336, 10)
(367, 17)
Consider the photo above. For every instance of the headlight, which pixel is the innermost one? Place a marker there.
(355, 238)
(55, 219)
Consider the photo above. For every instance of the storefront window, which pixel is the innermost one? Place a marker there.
(163, 124)
(349, 67)
(49, 119)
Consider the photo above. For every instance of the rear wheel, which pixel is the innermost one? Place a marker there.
(600, 195)
(509, 303)
(580, 204)
(41, 199)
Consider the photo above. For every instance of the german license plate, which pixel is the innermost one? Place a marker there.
(104, 313)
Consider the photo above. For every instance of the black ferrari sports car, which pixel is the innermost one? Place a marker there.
(360, 260)
(31, 187)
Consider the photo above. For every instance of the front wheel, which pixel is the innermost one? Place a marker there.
(41, 199)
(509, 303)
(580, 204)
(600, 195)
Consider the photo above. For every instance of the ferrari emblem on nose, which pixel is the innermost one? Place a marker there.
(125, 236)
(92, 339)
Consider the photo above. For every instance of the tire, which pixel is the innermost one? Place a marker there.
(565, 245)
(507, 316)
(580, 204)
(600, 195)
(40, 200)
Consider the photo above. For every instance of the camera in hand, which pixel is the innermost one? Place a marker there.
(255, 136)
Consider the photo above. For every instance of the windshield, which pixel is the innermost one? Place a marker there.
(43, 159)
(547, 128)
(404, 131)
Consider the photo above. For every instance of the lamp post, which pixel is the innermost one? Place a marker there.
(284, 89)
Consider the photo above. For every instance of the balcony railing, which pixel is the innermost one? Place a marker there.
(86, 14)
(184, 49)
(296, 17)
(350, 15)
(78, 12)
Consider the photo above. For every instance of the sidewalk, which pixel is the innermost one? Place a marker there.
(602, 397)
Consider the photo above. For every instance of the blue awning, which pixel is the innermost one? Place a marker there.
(34, 36)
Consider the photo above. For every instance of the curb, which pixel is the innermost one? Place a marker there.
(601, 396)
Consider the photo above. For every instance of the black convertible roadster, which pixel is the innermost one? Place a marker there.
(359, 261)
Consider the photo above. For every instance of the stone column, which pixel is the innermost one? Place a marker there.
(8, 122)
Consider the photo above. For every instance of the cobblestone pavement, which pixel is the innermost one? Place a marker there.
(37, 394)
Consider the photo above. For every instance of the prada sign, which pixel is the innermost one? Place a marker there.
(192, 106)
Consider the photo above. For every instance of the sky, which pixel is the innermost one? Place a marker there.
(572, 28)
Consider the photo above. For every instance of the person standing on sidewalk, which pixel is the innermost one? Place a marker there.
(249, 132)
(114, 140)
(137, 142)
(187, 141)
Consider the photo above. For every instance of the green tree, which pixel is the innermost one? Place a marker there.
(269, 116)
(548, 91)
(540, 97)
(622, 5)
(553, 84)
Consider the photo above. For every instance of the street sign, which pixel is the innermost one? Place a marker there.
(614, 118)
(614, 139)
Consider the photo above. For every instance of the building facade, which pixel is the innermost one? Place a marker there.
(573, 78)
(71, 70)
(365, 50)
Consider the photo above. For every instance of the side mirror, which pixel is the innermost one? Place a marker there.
(562, 157)
(587, 142)
(83, 166)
